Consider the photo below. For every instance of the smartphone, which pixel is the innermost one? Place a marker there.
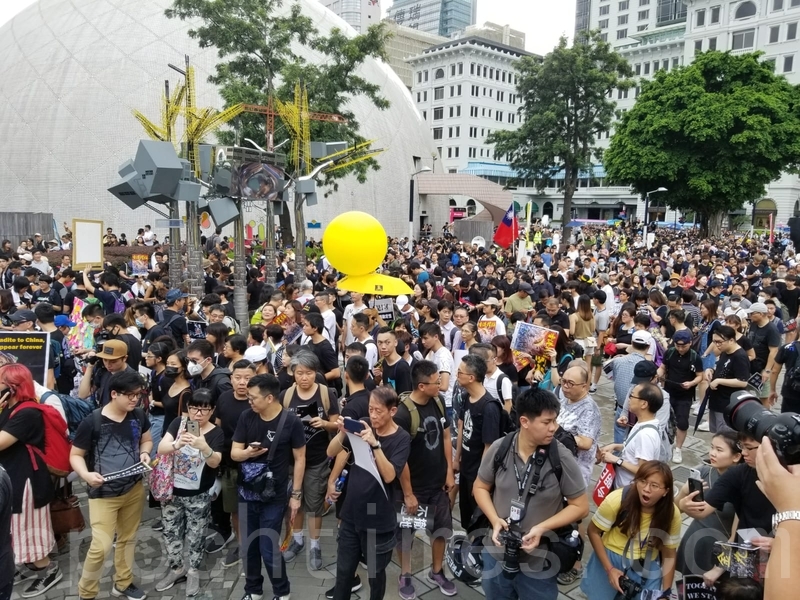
(696, 485)
(353, 426)
(256, 445)
(193, 427)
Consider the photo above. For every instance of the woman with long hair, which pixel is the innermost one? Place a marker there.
(294, 311)
(704, 330)
(505, 356)
(581, 322)
(174, 398)
(735, 322)
(156, 360)
(695, 553)
(6, 306)
(634, 534)
(217, 335)
(22, 445)
(622, 328)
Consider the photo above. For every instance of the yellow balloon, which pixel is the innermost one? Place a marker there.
(355, 243)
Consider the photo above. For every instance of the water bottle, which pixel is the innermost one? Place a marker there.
(338, 486)
(573, 540)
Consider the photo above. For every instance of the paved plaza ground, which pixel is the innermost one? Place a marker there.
(228, 584)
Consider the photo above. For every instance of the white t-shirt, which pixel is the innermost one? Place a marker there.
(349, 311)
(444, 361)
(490, 383)
(643, 443)
(372, 351)
(330, 325)
(148, 238)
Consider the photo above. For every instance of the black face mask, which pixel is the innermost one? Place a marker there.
(172, 371)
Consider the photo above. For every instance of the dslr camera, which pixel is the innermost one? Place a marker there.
(512, 540)
(630, 589)
(746, 414)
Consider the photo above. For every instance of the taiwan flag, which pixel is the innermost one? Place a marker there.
(508, 230)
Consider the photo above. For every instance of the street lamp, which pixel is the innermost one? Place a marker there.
(647, 211)
(411, 205)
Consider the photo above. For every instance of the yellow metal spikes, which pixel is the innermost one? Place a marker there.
(171, 109)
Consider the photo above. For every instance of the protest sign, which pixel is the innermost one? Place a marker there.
(82, 335)
(385, 308)
(29, 348)
(487, 330)
(692, 587)
(197, 329)
(532, 340)
(139, 264)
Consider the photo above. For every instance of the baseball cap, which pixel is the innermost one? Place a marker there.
(643, 372)
(23, 316)
(401, 301)
(715, 283)
(682, 337)
(63, 321)
(758, 307)
(491, 302)
(525, 287)
(641, 337)
(674, 276)
(256, 354)
(175, 295)
(113, 349)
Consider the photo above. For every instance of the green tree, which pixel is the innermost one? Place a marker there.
(257, 60)
(566, 105)
(714, 133)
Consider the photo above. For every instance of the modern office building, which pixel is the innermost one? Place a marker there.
(359, 14)
(502, 34)
(440, 17)
(656, 35)
(404, 43)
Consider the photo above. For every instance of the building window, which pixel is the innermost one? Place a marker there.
(675, 62)
(644, 15)
(777, 4)
(437, 133)
(473, 153)
(622, 20)
(425, 73)
(715, 10)
(794, 4)
(438, 114)
(472, 68)
(665, 64)
(743, 39)
(473, 111)
(438, 93)
(656, 66)
(712, 43)
(419, 77)
(475, 91)
(698, 47)
(499, 116)
(604, 10)
(452, 70)
(745, 11)
(455, 111)
(774, 34)
(647, 68)
(484, 70)
(791, 31)
(637, 68)
(700, 19)
(473, 132)
(425, 96)
(641, 27)
(622, 34)
(604, 37)
(788, 63)
(419, 96)
(450, 152)
(424, 115)
(644, 2)
(603, 23)
(439, 74)
(512, 118)
(624, 5)
(501, 96)
(460, 68)
(458, 90)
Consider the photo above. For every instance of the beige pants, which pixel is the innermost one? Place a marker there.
(122, 515)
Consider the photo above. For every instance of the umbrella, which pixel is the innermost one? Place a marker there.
(702, 410)
(574, 224)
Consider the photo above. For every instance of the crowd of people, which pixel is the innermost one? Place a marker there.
(253, 424)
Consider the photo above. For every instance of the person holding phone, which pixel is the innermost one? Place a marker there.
(195, 445)
(695, 553)
(369, 517)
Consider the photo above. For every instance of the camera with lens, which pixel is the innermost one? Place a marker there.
(630, 589)
(100, 338)
(746, 414)
(512, 540)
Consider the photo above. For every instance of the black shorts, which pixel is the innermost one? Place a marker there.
(682, 405)
(439, 502)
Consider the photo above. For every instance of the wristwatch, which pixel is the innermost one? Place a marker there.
(619, 462)
(789, 515)
(377, 446)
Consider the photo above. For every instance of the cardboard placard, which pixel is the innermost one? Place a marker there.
(87, 244)
(29, 348)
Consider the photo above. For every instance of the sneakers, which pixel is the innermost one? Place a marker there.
(293, 550)
(251, 597)
(131, 592)
(405, 587)
(24, 573)
(677, 456)
(173, 576)
(158, 525)
(315, 560)
(52, 576)
(192, 583)
(592, 388)
(353, 590)
(213, 544)
(447, 587)
(696, 408)
(232, 558)
(703, 426)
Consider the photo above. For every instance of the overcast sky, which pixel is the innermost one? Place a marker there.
(543, 21)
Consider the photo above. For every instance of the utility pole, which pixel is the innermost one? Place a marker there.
(240, 272)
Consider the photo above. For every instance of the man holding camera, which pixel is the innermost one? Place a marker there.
(522, 496)
(96, 379)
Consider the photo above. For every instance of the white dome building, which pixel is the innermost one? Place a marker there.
(71, 72)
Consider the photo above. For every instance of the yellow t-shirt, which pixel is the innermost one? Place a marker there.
(615, 540)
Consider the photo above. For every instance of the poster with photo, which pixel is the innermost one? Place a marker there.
(532, 340)
(487, 330)
(82, 335)
(139, 264)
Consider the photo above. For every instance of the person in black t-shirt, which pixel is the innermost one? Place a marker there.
(738, 486)
(313, 325)
(478, 427)
(172, 319)
(369, 517)
(356, 372)
(115, 325)
(788, 355)
(257, 430)
(318, 409)
(391, 369)
(6, 551)
(428, 477)
(729, 375)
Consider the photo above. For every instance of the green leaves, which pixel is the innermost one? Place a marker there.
(715, 133)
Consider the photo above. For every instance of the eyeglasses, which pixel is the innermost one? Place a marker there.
(749, 449)
(649, 485)
(460, 372)
(130, 395)
(720, 342)
(437, 382)
(202, 410)
(636, 397)
(568, 384)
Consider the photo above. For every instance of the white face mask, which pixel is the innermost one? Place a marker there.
(194, 369)
(762, 299)
(735, 303)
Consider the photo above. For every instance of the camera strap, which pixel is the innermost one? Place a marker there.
(274, 445)
(528, 483)
(648, 557)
